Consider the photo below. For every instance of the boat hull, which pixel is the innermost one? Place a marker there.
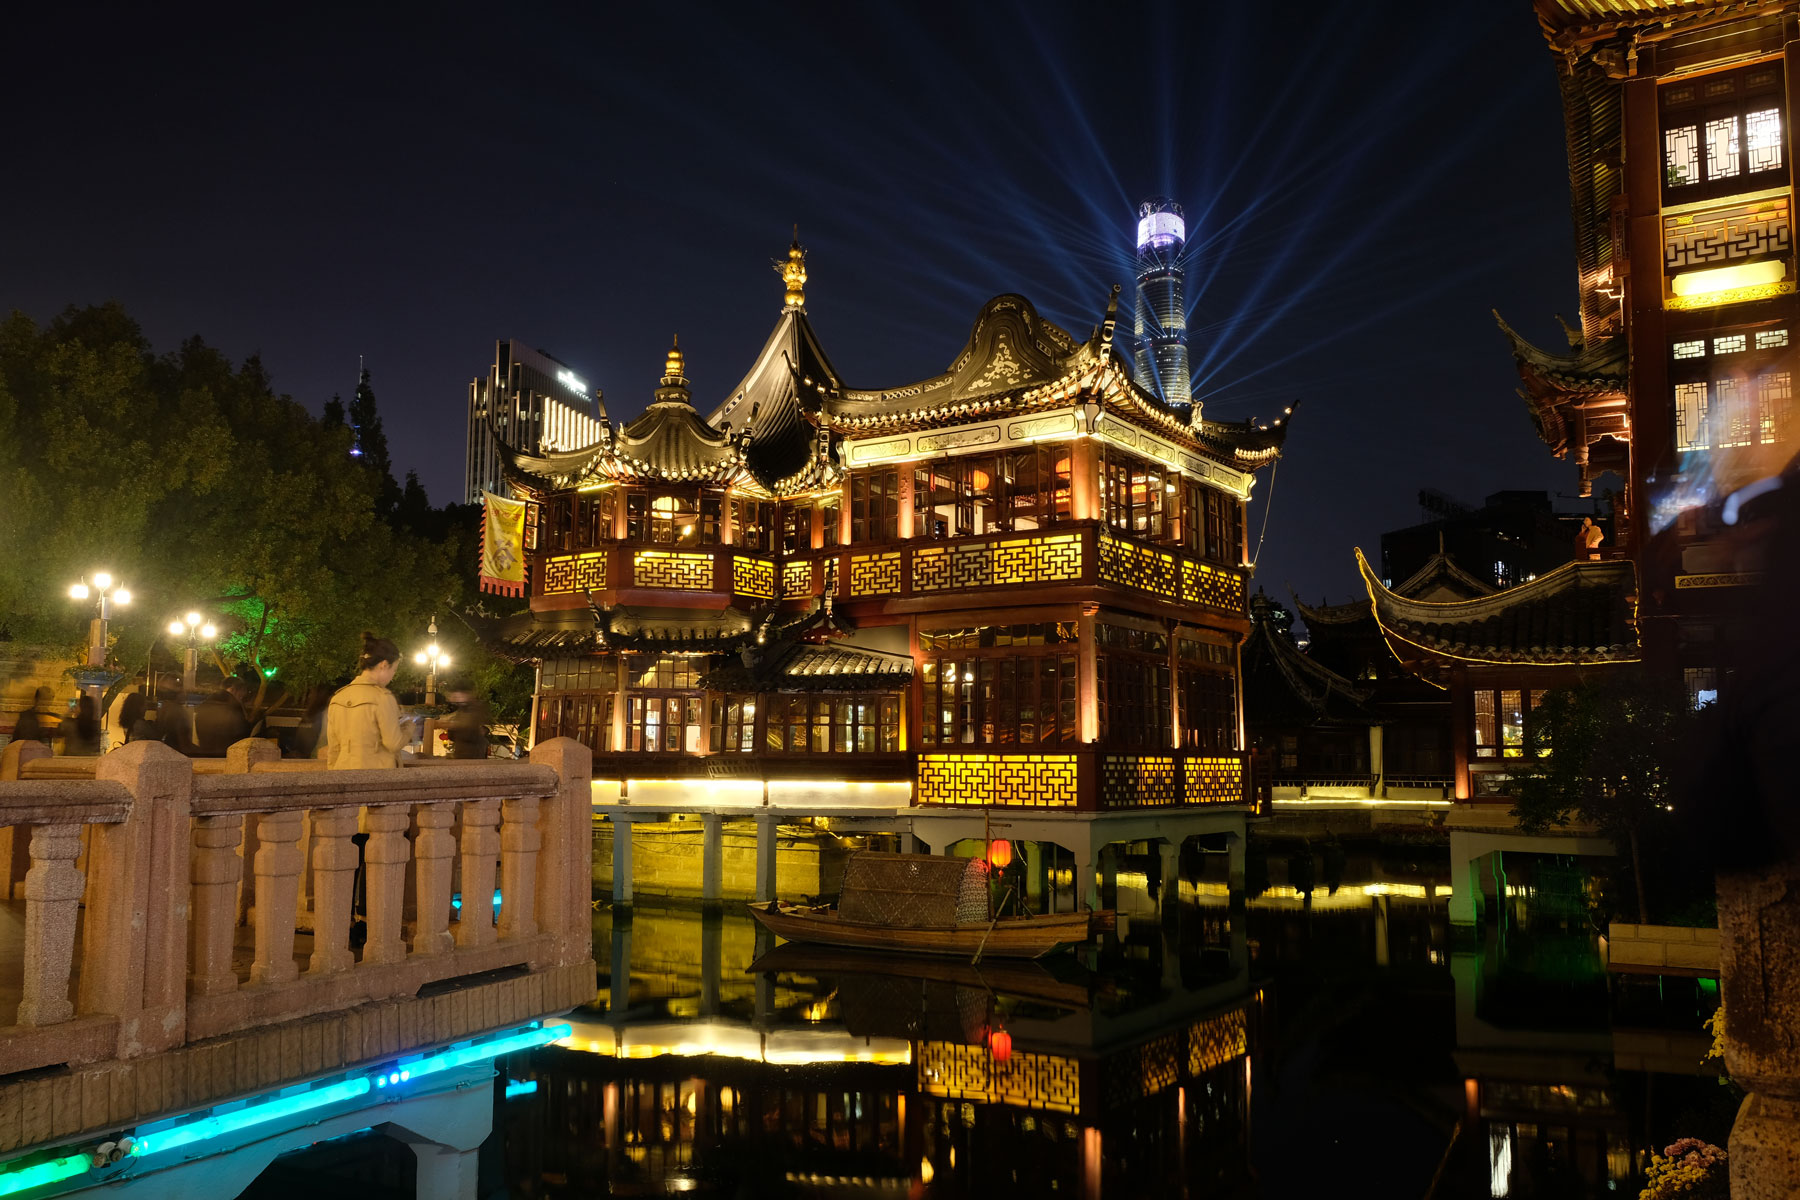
(1010, 937)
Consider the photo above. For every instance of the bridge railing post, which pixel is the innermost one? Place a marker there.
(134, 961)
(565, 850)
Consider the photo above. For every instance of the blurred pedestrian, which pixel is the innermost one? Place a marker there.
(362, 726)
(309, 734)
(467, 727)
(174, 723)
(221, 721)
(39, 723)
(81, 734)
(137, 718)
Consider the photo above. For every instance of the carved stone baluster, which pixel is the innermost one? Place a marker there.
(52, 894)
(480, 852)
(384, 863)
(214, 875)
(277, 896)
(435, 850)
(334, 880)
(519, 843)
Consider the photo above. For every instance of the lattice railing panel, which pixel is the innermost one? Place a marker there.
(1153, 1067)
(1154, 571)
(959, 1072)
(796, 579)
(1139, 781)
(875, 574)
(1214, 780)
(752, 577)
(1004, 780)
(1213, 587)
(568, 573)
(668, 569)
(1217, 1040)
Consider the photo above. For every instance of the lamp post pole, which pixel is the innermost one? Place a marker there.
(431, 658)
(197, 631)
(105, 593)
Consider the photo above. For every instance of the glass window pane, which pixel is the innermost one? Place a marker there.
(1681, 156)
(1764, 130)
(1722, 148)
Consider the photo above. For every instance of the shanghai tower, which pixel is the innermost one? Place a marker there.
(1161, 325)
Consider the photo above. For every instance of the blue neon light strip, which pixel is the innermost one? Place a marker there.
(207, 1128)
(203, 1129)
(53, 1171)
(520, 1087)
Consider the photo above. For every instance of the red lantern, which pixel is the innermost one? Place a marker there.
(1001, 1045)
(1000, 853)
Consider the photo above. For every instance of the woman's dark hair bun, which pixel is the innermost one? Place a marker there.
(376, 650)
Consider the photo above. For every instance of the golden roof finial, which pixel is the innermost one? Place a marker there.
(675, 367)
(793, 273)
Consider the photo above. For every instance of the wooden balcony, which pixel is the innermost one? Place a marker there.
(1081, 555)
(1083, 780)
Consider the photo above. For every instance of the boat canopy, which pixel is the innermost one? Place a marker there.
(913, 891)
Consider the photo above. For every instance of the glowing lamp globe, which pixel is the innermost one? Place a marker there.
(1000, 853)
(1001, 1045)
(177, 628)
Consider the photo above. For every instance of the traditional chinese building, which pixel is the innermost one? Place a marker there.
(1679, 374)
(1017, 583)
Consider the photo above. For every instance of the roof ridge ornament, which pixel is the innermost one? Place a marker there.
(793, 274)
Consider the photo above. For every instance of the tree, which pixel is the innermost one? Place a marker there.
(371, 448)
(1614, 754)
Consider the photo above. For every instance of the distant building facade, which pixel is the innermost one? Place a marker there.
(1514, 536)
(533, 401)
(1161, 319)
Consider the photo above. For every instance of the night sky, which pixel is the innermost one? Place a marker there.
(1363, 183)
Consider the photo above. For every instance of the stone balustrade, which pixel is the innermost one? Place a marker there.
(167, 900)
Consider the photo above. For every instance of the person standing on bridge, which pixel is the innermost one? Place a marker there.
(362, 726)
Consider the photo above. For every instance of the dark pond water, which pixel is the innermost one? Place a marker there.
(1308, 1043)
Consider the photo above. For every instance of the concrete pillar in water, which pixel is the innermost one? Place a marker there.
(619, 989)
(767, 831)
(1381, 931)
(1462, 882)
(712, 858)
(1109, 875)
(712, 927)
(621, 879)
(1034, 875)
(1087, 883)
(446, 1173)
(909, 842)
(1237, 847)
(1170, 854)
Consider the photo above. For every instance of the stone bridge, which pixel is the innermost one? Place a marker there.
(202, 965)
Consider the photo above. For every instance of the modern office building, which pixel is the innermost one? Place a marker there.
(1161, 357)
(531, 400)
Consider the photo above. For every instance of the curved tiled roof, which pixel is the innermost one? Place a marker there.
(1285, 688)
(778, 401)
(1582, 612)
(1553, 381)
(671, 441)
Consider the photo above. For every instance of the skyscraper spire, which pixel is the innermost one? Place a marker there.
(1161, 324)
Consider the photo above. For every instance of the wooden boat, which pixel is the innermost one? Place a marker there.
(925, 904)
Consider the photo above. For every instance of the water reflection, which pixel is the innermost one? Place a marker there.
(1314, 1035)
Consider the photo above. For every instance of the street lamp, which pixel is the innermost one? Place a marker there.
(431, 658)
(105, 593)
(198, 631)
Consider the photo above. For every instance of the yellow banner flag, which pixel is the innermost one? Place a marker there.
(502, 545)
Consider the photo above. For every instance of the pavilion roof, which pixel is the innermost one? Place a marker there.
(1555, 385)
(1285, 688)
(778, 402)
(805, 667)
(1582, 612)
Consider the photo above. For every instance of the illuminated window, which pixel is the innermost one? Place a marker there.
(1737, 396)
(796, 526)
(1722, 148)
(751, 523)
(1690, 416)
(828, 520)
(1702, 685)
(1732, 425)
(1208, 702)
(1512, 724)
(820, 724)
(662, 724)
(734, 724)
(1486, 745)
(1730, 344)
(874, 505)
(999, 685)
(1132, 686)
(1696, 349)
(1774, 399)
(1133, 493)
(1764, 130)
(1769, 339)
(1722, 134)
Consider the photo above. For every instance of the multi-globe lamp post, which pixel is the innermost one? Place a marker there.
(433, 659)
(197, 631)
(105, 592)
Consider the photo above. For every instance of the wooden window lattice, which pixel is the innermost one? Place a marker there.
(961, 1072)
(1006, 780)
(663, 569)
(1213, 780)
(1011, 561)
(1139, 781)
(796, 579)
(875, 574)
(752, 577)
(574, 573)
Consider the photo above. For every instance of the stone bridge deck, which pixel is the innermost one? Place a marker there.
(177, 935)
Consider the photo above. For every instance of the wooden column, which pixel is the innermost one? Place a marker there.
(384, 868)
(1084, 480)
(434, 850)
(480, 853)
(908, 481)
(277, 895)
(334, 880)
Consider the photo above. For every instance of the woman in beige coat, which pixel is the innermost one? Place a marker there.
(363, 723)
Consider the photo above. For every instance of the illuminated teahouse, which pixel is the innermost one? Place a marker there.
(1019, 583)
